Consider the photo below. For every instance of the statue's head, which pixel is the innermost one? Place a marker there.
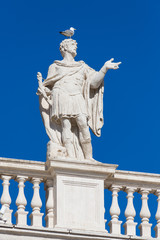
(68, 45)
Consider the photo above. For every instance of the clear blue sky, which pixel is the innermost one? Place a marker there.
(125, 30)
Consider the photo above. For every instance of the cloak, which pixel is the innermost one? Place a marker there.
(93, 100)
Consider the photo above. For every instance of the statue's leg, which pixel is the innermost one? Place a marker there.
(84, 136)
(67, 137)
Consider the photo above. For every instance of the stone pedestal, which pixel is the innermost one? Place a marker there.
(8, 216)
(49, 220)
(115, 227)
(21, 218)
(145, 229)
(130, 228)
(79, 193)
(157, 230)
(36, 219)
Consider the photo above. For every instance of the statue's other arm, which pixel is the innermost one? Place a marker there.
(99, 76)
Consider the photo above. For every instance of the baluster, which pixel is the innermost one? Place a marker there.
(36, 204)
(130, 213)
(157, 216)
(105, 220)
(6, 199)
(21, 214)
(145, 226)
(49, 204)
(115, 224)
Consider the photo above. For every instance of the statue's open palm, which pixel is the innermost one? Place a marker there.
(111, 65)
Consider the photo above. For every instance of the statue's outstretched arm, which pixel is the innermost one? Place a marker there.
(99, 76)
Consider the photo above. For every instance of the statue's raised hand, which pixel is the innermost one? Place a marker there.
(39, 76)
(111, 65)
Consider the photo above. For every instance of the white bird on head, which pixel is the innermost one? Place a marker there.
(68, 32)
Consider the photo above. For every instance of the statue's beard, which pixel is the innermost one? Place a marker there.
(74, 53)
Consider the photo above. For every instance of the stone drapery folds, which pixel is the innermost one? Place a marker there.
(64, 85)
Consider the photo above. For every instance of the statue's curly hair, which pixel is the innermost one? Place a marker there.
(64, 44)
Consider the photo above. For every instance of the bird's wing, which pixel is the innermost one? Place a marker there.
(67, 33)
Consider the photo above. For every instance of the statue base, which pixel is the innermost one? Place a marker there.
(79, 193)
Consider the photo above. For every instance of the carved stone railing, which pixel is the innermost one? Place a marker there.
(35, 173)
(143, 184)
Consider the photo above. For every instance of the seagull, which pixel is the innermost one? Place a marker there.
(68, 32)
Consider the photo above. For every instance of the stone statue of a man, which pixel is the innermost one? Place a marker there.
(71, 101)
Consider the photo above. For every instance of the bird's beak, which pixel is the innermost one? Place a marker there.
(74, 29)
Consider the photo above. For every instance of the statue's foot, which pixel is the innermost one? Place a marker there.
(55, 150)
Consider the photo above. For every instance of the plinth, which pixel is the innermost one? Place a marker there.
(79, 193)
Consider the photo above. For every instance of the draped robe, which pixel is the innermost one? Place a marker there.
(69, 88)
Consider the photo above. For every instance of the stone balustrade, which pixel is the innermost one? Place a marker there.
(131, 182)
(34, 172)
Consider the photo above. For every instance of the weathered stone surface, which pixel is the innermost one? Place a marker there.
(71, 102)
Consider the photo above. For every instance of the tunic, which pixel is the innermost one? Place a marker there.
(67, 92)
(72, 94)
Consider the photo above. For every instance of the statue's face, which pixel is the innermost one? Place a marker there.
(72, 48)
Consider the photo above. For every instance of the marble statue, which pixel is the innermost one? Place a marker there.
(71, 102)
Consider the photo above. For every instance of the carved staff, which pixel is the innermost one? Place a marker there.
(41, 88)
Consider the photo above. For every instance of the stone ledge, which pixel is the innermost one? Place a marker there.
(79, 166)
(22, 167)
(135, 179)
(31, 233)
